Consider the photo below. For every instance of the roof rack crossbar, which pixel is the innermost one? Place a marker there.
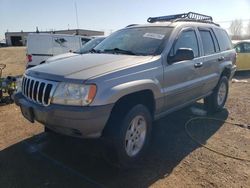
(190, 16)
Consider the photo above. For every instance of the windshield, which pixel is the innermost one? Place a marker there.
(87, 47)
(136, 41)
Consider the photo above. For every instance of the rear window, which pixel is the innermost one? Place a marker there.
(223, 39)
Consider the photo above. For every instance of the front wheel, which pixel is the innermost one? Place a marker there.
(132, 136)
(216, 101)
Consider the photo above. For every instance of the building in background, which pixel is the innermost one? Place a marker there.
(19, 38)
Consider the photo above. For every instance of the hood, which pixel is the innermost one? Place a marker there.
(85, 66)
(61, 56)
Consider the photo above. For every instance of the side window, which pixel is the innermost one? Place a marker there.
(207, 41)
(243, 48)
(187, 39)
(223, 39)
(84, 40)
(247, 47)
(217, 48)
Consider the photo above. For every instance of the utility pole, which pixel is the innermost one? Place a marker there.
(77, 24)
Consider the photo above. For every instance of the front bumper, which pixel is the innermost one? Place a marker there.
(85, 122)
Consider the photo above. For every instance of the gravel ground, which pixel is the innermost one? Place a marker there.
(31, 158)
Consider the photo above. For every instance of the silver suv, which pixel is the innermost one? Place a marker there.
(135, 76)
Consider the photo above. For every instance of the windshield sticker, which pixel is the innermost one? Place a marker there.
(153, 36)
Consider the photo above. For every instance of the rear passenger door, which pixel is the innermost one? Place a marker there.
(180, 78)
(210, 51)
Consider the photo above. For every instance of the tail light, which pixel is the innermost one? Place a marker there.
(29, 57)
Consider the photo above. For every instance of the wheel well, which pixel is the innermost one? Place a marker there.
(226, 72)
(145, 97)
(124, 104)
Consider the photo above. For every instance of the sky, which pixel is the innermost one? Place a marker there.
(109, 15)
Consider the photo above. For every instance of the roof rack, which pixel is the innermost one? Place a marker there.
(190, 16)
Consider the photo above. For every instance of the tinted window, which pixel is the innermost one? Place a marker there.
(207, 42)
(223, 38)
(187, 39)
(137, 40)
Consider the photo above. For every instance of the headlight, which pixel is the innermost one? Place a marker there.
(19, 84)
(74, 94)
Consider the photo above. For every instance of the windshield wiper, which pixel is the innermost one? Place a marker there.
(118, 50)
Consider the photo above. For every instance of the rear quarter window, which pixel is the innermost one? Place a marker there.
(223, 39)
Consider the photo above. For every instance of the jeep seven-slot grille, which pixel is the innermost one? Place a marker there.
(39, 91)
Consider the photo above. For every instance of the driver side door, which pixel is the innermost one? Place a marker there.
(181, 78)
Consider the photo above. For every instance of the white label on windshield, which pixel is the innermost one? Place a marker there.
(153, 36)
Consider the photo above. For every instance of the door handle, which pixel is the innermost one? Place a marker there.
(198, 65)
(221, 58)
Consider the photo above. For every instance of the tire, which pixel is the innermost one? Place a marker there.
(216, 101)
(130, 137)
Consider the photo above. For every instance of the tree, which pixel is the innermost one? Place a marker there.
(248, 29)
(236, 28)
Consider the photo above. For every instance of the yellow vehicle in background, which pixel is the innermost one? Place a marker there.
(243, 55)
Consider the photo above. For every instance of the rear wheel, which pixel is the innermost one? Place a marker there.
(131, 136)
(216, 101)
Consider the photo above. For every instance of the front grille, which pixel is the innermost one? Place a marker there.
(37, 90)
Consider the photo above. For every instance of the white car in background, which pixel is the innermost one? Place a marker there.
(41, 46)
(86, 48)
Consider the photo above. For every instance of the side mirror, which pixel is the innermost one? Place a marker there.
(237, 49)
(182, 54)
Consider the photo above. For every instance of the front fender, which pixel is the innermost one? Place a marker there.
(113, 94)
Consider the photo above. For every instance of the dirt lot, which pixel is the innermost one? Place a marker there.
(30, 158)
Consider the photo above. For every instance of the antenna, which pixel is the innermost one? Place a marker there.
(77, 24)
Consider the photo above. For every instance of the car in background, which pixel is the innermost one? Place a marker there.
(86, 48)
(41, 46)
(243, 54)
